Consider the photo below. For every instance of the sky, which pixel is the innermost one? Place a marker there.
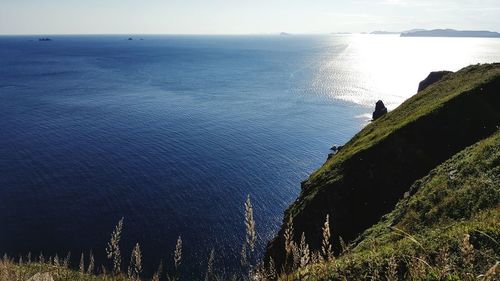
(242, 16)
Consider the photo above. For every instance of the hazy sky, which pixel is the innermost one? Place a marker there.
(242, 16)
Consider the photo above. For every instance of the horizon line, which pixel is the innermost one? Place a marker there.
(156, 34)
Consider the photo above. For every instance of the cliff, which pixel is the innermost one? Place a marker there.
(374, 170)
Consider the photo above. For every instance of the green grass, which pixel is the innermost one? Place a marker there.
(424, 235)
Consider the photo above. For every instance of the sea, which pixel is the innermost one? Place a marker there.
(172, 133)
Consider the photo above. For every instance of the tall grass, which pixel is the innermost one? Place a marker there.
(113, 249)
(135, 267)
(305, 264)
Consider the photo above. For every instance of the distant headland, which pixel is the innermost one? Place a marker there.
(441, 33)
(450, 33)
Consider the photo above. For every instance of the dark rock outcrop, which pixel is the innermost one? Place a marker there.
(380, 110)
(432, 78)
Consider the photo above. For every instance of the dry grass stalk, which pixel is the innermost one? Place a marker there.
(272, 273)
(251, 236)
(178, 253)
(304, 251)
(326, 247)
(81, 267)
(258, 273)
(243, 255)
(343, 246)
(467, 252)
(392, 269)
(417, 267)
(492, 273)
(135, 267)
(113, 248)
(56, 261)
(210, 266)
(444, 262)
(155, 277)
(159, 271)
(288, 235)
(374, 271)
(296, 255)
(90, 269)
(66, 260)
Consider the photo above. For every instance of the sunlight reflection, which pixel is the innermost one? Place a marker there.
(390, 67)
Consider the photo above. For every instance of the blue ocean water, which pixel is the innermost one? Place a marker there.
(173, 132)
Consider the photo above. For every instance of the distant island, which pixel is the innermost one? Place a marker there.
(285, 34)
(450, 33)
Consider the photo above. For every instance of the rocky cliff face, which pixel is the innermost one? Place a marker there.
(374, 169)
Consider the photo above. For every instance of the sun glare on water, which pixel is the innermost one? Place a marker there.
(389, 67)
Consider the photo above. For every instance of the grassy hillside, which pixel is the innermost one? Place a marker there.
(447, 228)
(376, 167)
